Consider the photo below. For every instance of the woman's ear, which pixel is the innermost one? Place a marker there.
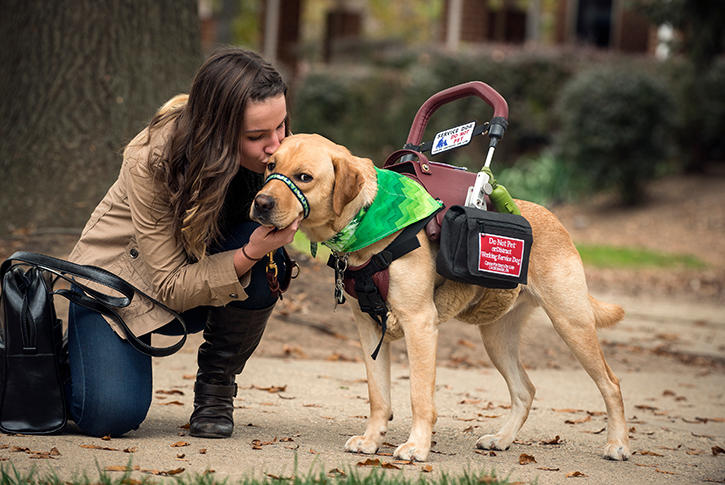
(348, 181)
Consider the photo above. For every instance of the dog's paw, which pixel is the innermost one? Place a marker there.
(492, 442)
(616, 451)
(361, 444)
(410, 451)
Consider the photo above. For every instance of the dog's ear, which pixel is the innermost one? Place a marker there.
(348, 181)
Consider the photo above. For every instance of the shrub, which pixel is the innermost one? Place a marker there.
(614, 128)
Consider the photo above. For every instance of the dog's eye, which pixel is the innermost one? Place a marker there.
(304, 177)
(271, 166)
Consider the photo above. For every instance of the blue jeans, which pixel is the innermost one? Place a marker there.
(111, 382)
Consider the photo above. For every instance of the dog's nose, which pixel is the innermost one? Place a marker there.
(263, 203)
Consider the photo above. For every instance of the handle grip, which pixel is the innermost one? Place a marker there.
(473, 88)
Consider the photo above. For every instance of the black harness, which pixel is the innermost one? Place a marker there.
(369, 297)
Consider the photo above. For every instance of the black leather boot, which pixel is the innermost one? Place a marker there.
(231, 335)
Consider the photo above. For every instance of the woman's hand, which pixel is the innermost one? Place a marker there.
(262, 241)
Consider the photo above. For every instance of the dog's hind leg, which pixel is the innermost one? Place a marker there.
(378, 377)
(577, 328)
(501, 339)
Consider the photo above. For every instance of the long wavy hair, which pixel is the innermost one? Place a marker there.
(202, 156)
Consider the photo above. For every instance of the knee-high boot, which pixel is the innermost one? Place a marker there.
(231, 335)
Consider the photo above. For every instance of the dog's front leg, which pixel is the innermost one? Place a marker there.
(421, 340)
(378, 375)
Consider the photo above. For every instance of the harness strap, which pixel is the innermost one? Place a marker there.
(295, 190)
(369, 296)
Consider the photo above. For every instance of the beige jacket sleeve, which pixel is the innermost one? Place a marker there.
(161, 259)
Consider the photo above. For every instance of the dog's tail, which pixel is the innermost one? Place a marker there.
(173, 103)
(606, 314)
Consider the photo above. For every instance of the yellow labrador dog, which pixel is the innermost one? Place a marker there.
(337, 185)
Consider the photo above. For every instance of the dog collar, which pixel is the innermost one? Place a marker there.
(399, 202)
(295, 190)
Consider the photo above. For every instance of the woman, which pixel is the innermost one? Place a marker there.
(175, 224)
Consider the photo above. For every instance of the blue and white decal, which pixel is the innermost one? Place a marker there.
(453, 138)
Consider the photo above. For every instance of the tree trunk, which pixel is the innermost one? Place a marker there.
(79, 79)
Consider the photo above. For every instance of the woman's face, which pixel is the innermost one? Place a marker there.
(263, 131)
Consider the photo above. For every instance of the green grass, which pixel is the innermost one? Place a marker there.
(635, 258)
(336, 476)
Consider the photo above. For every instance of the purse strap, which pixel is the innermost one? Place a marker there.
(102, 303)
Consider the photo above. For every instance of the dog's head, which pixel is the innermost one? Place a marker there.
(329, 178)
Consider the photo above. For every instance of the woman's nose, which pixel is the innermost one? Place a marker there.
(273, 144)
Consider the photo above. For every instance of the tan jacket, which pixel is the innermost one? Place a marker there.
(130, 234)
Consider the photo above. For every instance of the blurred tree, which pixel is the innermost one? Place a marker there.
(703, 38)
(80, 78)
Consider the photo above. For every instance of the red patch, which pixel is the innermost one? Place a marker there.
(500, 255)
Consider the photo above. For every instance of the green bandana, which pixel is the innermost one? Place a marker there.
(400, 202)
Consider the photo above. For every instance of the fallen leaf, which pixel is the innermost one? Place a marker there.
(578, 421)
(369, 462)
(466, 343)
(547, 469)
(468, 430)
(427, 468)
(96, 447)
(575, 474)
(54, 451)
(114, 468)
(665, 472)
(133, 449)
(645, 407)
(202, 451)
(716, 450)
(106, 438)
(525, 459)
(649, 453)
(171, 392)
(270, 389)
(312, 405)
(555, 441)
(189, 377)
(337, 472)
(567, 410)
(695, 452)
(179, 444)
(389, 466)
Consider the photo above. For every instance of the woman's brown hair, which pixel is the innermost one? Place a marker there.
(202, 154)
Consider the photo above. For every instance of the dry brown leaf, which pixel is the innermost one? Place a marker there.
(106, 438)
(665, 472)
(468, 430)
(189, 377)
(650, 453)
(579, 421)
(466, 343)
(567, 410)
(54, 451)
(525, 459)
(132, 449)
(270, 389)
(97, 447)
(646, 407)
(294, 350)
(170, 392)
(427, 468)
(202, 451)
(337, 472)
(389, 466)
(114, 468)
(547, 469)
(369, 462)
(695, 452)
(575, 474)
(179, 444)
(716, 450)
(312, 405)
(555, 441)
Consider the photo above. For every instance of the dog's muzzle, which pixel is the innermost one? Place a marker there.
(295, 190)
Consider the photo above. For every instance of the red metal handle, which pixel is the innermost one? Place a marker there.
(473, 88)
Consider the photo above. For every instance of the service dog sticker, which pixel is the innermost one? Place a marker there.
(453, 138)
(500, 254)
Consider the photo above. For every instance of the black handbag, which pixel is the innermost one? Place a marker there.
(484, 248)
(33, 360)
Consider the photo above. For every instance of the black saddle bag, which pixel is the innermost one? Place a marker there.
(33, 359)
(484, 248)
